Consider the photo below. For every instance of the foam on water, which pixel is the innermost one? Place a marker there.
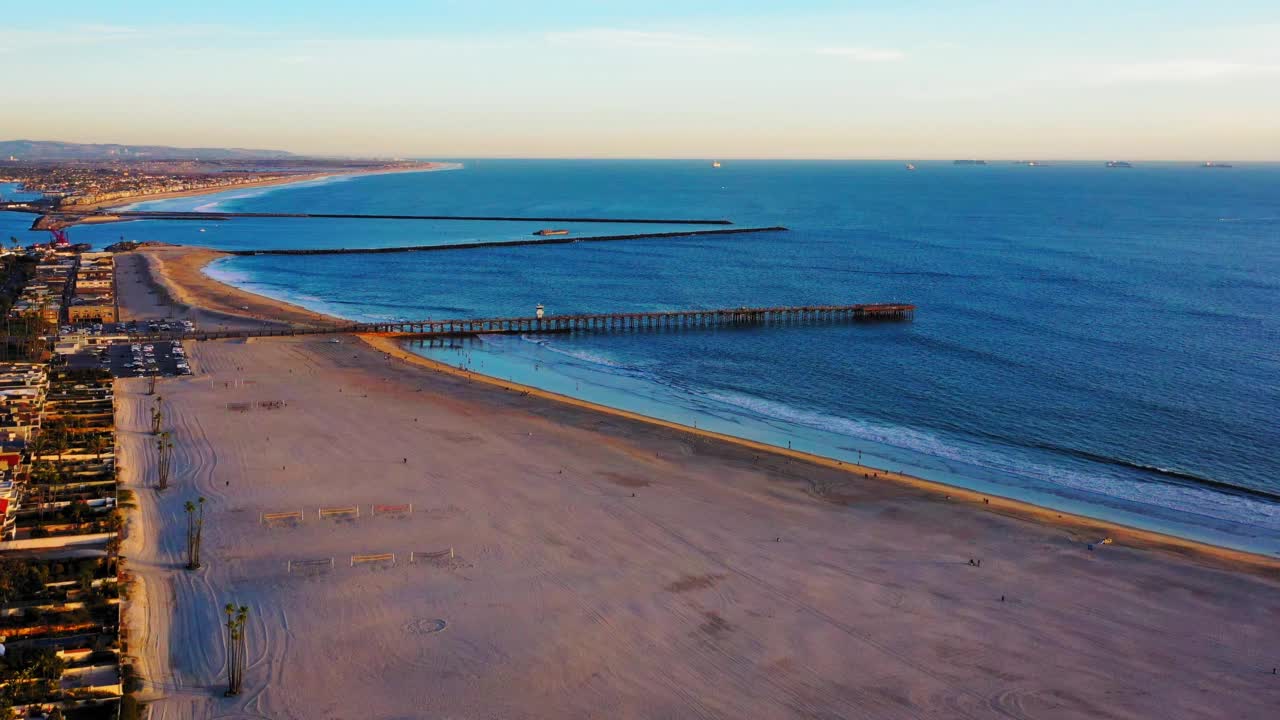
(593, 358)
(1168, 496)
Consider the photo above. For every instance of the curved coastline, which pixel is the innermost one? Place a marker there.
(186, 268)
(599, 521)
(276, 183)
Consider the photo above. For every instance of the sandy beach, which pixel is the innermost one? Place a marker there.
(574, 563)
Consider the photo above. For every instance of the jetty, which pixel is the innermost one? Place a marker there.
(171, 215)
(541, 240)
(595, 322)
(62, 218)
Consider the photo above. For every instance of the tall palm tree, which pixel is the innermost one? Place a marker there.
(97, 444)
(237, 648)
(156, 416)
(60, 444)
(113, 552)
(39, 446)
(165, 449)
(195, 531)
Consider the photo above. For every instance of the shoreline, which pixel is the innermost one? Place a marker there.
(1138, 537)
(263, 306)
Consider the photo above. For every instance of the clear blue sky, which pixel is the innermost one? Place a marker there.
(1134, 79)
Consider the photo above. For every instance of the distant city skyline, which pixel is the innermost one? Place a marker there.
(913, 79)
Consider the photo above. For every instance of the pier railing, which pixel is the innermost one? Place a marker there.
(594, 322)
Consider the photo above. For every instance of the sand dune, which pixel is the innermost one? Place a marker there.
(604, 567)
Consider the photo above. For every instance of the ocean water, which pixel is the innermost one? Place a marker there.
(1104, 341)
(14, 225)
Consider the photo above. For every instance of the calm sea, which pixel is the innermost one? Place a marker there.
(1099, 340)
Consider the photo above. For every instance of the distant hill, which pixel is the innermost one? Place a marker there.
(52, 150)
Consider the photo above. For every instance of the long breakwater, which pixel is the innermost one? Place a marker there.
(550, 240)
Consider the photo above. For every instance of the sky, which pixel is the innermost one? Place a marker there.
(902, 79)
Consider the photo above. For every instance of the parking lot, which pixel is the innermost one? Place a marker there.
(136, 360)
(131, 327)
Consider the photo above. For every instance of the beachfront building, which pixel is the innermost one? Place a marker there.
(78, 341)
(64, 533)
(98, 308)
(23, 389)
(92, 298)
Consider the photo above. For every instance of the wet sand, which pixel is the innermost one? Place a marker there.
(605, 566)
(168, 281)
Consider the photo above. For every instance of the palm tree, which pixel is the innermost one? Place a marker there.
(156, 416)
(113, 551)
(237, 648)
(39, 445)
(195, 531)
(165, 449)
(97, 444)
(59, 444)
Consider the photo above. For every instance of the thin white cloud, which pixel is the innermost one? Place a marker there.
(645, 40)
(1187, 70)
(864, 54)
(104, 29)
(25, 39)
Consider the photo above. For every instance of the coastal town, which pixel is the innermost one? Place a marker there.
(83, 185)
(62, 577)
(77, 185)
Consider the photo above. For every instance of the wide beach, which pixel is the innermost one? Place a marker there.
(605, 566)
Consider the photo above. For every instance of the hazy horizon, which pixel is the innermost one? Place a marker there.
(1136, 80)
(993, 159)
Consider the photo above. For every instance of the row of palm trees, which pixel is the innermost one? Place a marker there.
(164, 445)
(25, 333)
(236, 641)
(59, 436)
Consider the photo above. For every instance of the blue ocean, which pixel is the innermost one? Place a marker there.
(1100, 340)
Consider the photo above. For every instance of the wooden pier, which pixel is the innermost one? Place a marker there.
(601, 322)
